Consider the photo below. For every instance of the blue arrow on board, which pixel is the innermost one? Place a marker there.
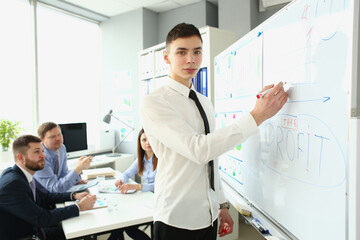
(324, 99)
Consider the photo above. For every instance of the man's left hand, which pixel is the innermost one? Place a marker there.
(225, 222)
(82, 182)
(81, 195)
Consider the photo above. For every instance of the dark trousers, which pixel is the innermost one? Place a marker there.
(163, 231)
(54, 232)
(132, 232)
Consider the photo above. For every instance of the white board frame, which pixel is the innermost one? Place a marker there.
(353, 177)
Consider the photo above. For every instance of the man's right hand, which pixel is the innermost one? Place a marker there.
(268, 105)
(87, 202)
(83, 163)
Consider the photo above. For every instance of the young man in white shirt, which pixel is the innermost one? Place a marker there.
(189, 201)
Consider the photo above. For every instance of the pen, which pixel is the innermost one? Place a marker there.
(262, 94)
(259, 226)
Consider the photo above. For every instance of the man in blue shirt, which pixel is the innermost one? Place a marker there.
(55, 176)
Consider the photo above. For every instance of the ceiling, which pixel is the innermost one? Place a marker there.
(110, 8)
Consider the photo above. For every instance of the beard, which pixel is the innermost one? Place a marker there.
(34, 166)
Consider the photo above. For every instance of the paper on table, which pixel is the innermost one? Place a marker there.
(113, 189)
(98, 204)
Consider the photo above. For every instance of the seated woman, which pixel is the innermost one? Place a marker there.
(144, 166)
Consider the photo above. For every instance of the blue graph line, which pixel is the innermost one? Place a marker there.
(230, 176)
(237, 159)
(324, 99)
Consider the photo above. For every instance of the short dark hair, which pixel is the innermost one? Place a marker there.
(21, 144)
(45, 127)
(182, 30)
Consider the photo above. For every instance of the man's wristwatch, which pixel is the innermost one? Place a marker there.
(224, 205)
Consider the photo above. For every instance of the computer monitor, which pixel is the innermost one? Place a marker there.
(75, 139)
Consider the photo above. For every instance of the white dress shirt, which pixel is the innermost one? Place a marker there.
(28, 176)
(175, 129)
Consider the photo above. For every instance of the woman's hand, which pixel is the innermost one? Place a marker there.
(127, 186)
(118, 183)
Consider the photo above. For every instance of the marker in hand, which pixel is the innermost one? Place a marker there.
(262, 94)
(224, 229)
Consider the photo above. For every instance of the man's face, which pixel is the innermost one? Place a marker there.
(184, 56)
(53, 139)
(34, 158)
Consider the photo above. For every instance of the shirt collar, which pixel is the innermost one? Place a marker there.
(28, 176)
(150, 160)
(50, 152)
(180, 88)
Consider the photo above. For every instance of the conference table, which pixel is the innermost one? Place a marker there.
(122, 210)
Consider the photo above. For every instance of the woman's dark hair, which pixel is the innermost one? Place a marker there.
(141, 154)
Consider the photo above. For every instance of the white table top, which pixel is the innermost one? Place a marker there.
(123, 210)
(98, 160)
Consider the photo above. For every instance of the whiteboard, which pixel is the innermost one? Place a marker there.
(295, 168)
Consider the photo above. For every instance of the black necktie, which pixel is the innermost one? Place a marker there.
(193, 96)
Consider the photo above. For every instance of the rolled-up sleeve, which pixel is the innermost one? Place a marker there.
(52, 183)
(131, 171)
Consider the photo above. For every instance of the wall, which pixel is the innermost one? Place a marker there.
(262, 16)
(195, 14)
(235, 16)
(242, 16)
(150, 28)
(254, 11)
(212, 15)
(123, 36)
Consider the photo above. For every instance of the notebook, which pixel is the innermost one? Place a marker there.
(93, 173)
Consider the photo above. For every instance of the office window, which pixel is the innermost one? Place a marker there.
(69, 72)
(17, 68)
